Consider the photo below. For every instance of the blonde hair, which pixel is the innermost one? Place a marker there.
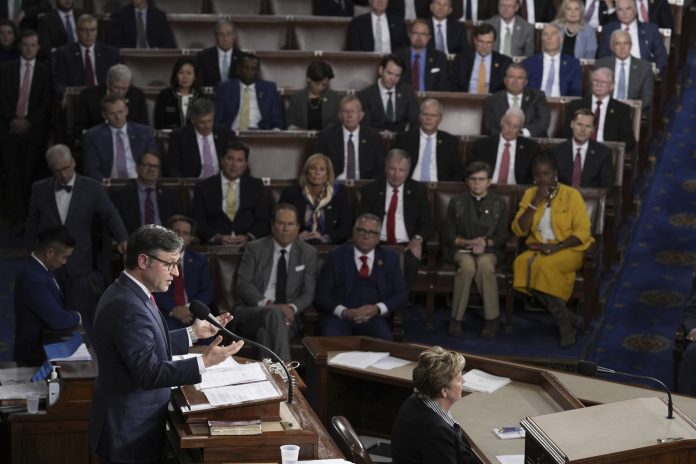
(312, 160)
(560, 16)
(435, 370)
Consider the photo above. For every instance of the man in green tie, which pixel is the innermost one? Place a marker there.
(514, 35)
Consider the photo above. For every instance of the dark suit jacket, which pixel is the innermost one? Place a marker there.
(418, 218)
(198, 282)
(603, 15)
(333, 8)
(457, 41)
(31, 8)
(88, 112)
(39, 105)
(296, 114)
(537, 116)
(209, 69)
(124, 34)
(449, 163)
(544, 11)
(99, 151)
(641, 81)
(659, 13)
(651, 46)
(184, 157)
(52, 31)
(228, 103)
(127, 203)
(486, 149)
(435, 72)
(335, 280)
(464, 64)
(398, 8)
(168, 113)
(134, 349)
(252, 216)
(618, 125)
(598, 170)
(486, 9)
(360, 38)
(39, 307)
(88, 200)
(69, 67)
(338, 216)
(370, 150)
(406, 108)
(420, 435)
(570, 74)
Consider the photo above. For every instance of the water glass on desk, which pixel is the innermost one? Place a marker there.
(289, 454)
(33, 402)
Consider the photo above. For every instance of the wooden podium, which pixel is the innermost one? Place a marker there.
(622, 432)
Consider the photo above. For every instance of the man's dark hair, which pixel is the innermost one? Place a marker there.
(148, 240)
(54, 237)
(318, 70)
(478, 166)
(582, 112)
(285, 207)
(182, 218)
(111, 98)
(28, 33)
(236, 145)
(200, 107)
(483, 29)
(394, 59)
(544, 158)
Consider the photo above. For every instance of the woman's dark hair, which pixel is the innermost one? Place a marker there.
(478, 166)
(15, 31)
(319, 70)
(174, 83)
(544, 158)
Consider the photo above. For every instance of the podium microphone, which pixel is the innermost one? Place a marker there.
(590, 369)
(202, 312)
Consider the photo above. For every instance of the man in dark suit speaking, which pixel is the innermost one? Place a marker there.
(134, 350)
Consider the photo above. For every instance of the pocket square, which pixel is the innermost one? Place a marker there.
(435, 70)
(299, 268)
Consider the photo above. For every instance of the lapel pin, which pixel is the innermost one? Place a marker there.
(496, 65)
(398, 95)
(380, 263)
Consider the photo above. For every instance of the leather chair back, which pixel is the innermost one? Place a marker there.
(347, 440)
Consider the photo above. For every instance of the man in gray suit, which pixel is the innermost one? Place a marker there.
(639, 77)
(514, 36)
(275, 283)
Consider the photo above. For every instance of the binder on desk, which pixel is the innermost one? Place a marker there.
(73, 349)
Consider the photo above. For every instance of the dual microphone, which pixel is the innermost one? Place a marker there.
(202, 312)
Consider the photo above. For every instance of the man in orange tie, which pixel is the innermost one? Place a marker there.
(481, 70)
(194, 281)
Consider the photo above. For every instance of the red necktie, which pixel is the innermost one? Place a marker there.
(391, 217)
(504, 165)
(577, 170)
(364, 269)
(23, 101)
(415, 73)
(89, 70)
(597, 114)
(350, 162)
(644, 12)
(523, 9)
(179, 289)
(149, 207)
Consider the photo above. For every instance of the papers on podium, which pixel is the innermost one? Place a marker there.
(357, 359)
(479, 381)
(238, 394)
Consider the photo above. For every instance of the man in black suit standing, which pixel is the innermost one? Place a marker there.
(356, 150)
(140, 25)
(448, 33)
(144, 200)
(425, 67)
(58, 27)
(612, 119)
(85, 62)
(480, 71)
(509, 155)
(388, 103)
(119, 79)
(404, 202)
(583, 162)
(231, 208)
(25, 114)
(23, 12)
(194, 150)
(532, 102)
(376, 31)
(222, 59)
(434, 153)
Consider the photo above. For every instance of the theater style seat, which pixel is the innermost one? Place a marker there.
(193, 30)
(463, 113)
(238, 7)
(152, 68)
(277, 155)
(290, 7)
(319, 33)
(261, 32)
(101, 7)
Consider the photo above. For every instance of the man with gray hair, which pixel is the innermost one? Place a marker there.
(219, 63)
(75, 201)
(194, 150)
(558, 75)
(119, 80)
(509, 154)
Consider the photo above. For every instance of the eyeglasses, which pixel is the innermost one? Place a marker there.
(150, 165)
(371, 233)
(167, 264)
(477, 179)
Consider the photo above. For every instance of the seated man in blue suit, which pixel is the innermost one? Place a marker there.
(38, 301)
(134, 351)
(194, 282)
(140, 25)
(558, 75)
(360, 285)
(113, 149)
(646, 41)
(248, 102)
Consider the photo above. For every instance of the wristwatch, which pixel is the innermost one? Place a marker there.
(191, 334)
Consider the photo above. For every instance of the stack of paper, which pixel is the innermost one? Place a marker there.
(479, 381)
(357, 359)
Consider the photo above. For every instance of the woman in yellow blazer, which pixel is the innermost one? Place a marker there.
(554, 219)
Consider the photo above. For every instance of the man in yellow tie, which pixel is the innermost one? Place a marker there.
(248, 102)
(482, 70)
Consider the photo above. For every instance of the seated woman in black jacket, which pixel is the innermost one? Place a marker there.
(325, 216)
(171, 107)
(424, 431)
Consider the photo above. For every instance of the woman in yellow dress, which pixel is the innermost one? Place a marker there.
(554, 220)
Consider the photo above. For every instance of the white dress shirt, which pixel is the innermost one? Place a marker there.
(635, 40)
(531, 12)
(254, 111)
(520, 99)
(583, 152)
(399, 224)
(499, 158)
(602, 116)
(63, 200)
(410, 9)
(213, 151)
(130, 161)
(432, 168)
(356, 144)
(386, 38)
(443, 26)
(555, 88)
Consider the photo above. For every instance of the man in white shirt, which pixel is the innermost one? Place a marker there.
(376, 31)
(514, 35)
(448, 34)
(221, 61)
(558, 75)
